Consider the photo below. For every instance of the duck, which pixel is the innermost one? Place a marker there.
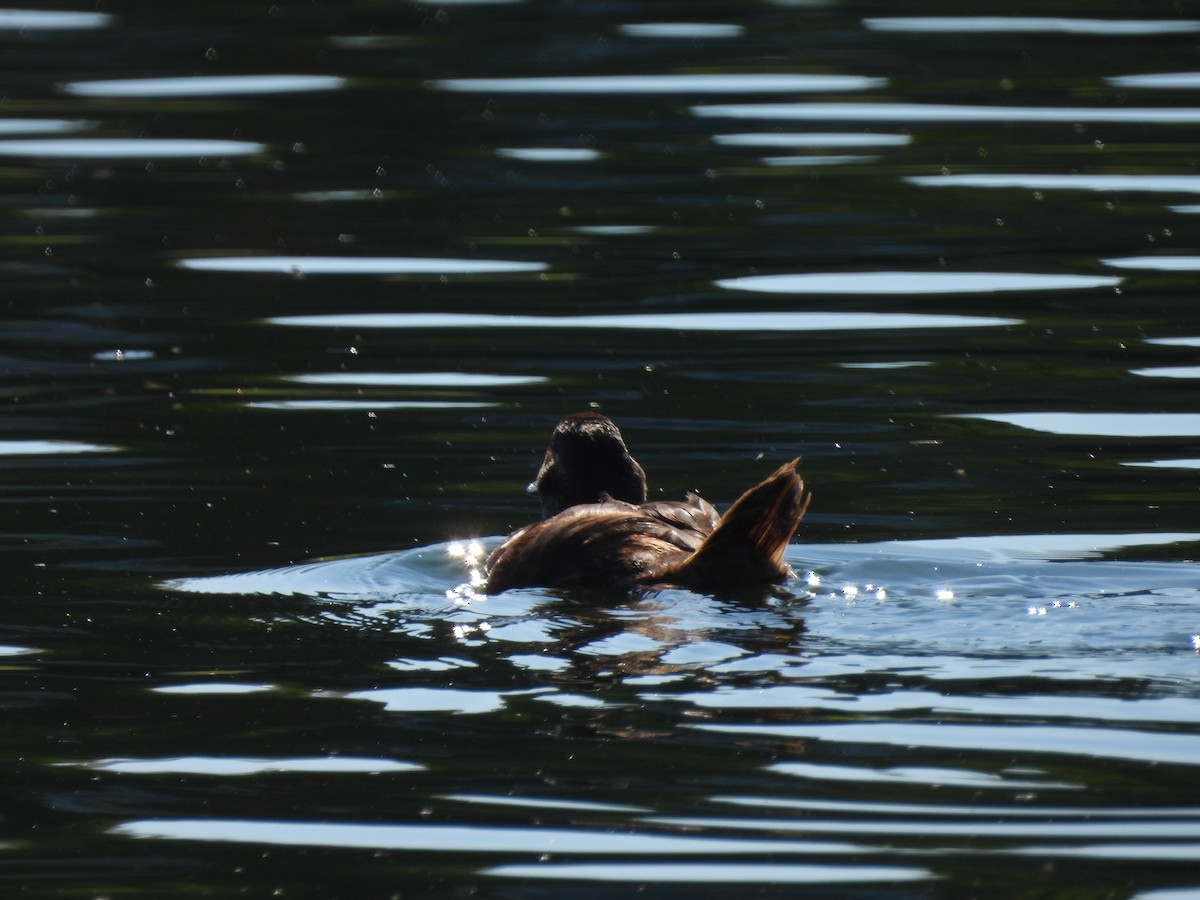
(598, 532)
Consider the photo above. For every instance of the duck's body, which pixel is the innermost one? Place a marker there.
(599, 532)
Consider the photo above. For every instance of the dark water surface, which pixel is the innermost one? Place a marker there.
(293, 293)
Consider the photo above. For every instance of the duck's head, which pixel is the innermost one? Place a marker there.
(587, 458)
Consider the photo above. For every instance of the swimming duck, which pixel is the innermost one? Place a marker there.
(599, 532)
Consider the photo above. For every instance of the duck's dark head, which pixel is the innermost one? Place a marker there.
(587, 457)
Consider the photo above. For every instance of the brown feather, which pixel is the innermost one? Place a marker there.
(617, 545)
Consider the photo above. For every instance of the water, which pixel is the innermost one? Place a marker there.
(294, 294)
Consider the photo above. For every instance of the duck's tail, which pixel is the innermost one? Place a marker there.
(748, 544)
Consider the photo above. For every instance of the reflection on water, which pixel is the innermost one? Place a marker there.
(36, 20)
(815, 160)
(1067, 182)
(123, 355)
(735, 83)
(548, 154)
(542, 803)
(1111, 743)
(39, 448)
(434, 700)
(717, 321)
(913, 282)
(447, 838)
(357, 265)
(1175, 341)
(204, 86)
(717, 873)
(405, 379)
(212, 687)
(900, 364)
(682, 30)
(1032, 24)
(813, 139)
(1167, 464)
(1169, 372)
(1133, 424)
(294, 295)
(226, 766)
(1168, 80)
(127, 148)
(929, 776)
(946, 112)
(1165, 263)
(41, 126)
(1043, 546)
(365, 405)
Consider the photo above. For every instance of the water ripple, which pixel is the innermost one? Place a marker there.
(715, 321)
(1031, 24)
(1161, 710)
(365, 405)
(452, 838)
(1168, 372)
(948, 112)
(1078, 828)
(357, 265)
(1099, 424)
(47, 20)
(682, 30)
(416, 379)
(931, 776)
(418, 699)
(1161, 263)
(1148, 183)
(735, 83)
(549, 154)
(1089, 741)
(128, 148)
(812, 139)
(1167, 80)
(914, 282)
(39, 448)
(966, 810)
(213, 688)
(1131, 850)
(714, 873)
(204, 86)
(544, 803)
(1166, 464)
(43, 126)
(227, 765)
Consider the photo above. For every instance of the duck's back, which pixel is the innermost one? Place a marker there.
(608, 545)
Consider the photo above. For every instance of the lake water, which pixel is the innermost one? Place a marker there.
(293, 295)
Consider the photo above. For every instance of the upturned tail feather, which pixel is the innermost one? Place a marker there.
(749, 542)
